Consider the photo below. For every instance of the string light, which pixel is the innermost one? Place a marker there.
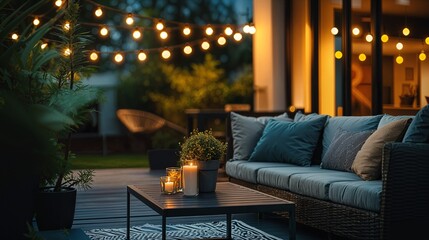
(159, 25)
(246, 28)
(209, 31)
(399, 46)
(141, 56)
(338, 54)
(252, 29)
(129, 20)
(406, 31)
(427, 41)
(104, 31)
(362, 57)
(58, 3)
(166, 54)
(93, 56)
(187, 49)
(14, 36)
(228, 31)
(163, 35)
(238, 36)
(98, 12)
(186, 31)
(369, 37)
(36, 21)
(66, 26)
(205, 45)
(399, 59)
(119, 57)
(422, 56)
(221, 40)
(43, 45)
(137, 34)
(334, 31)
(384, 38)
(356, 31)
(67, 52)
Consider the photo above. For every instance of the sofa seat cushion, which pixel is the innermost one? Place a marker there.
(278, 177)
(247, 171)
(360, 194)
(317, 185)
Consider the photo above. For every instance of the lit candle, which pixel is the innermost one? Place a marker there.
(190, 180)
(169, 186)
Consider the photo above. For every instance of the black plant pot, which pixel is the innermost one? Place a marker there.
(207, 175)
(55, 210)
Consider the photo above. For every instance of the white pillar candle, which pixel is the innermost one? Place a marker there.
(190, 180)
(169, 186)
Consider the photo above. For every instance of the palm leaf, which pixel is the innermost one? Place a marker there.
(52, 119)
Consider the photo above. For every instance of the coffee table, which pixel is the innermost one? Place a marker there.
(228, 199)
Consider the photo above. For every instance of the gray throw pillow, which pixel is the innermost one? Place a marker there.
(343, 149)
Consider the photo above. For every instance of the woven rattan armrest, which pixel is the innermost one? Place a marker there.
(405, 194)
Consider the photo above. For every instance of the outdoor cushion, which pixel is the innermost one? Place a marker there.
(418, 131)
(247, 171)
(389, 118)
(278, 177)
(290, 142)
(361, 194)
(367, 163)
(317, 185)
(342, 151)
(348, 123)
(246, 132)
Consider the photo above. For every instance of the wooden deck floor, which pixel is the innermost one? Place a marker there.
(104, 206)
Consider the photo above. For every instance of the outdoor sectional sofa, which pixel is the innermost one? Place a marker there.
(317, 168)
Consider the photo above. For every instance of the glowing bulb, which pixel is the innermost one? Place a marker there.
(43, 45)
(66, 25)
(14, 36)
(36, 22)
(205, 45)
(422, 56)
(338, 54)
(356, 31)
(399, 59)
(129, 20)
(104, 31)
(67, 52)
(238, 37)
(137, 34)
(369, 37)
(93, 56)
(119, 58)
(209, 31)
(252, 29)
(384, 38)
(228, 31)
(362, 57)
(142, 56)
(186, 31)
(187, 49)
(399, 46)
(334, 31)
(163, 35)
(159, 26)
(166, 54)
(427, 41)
(221, 40)
(406, 31)
(246, 28)
(98, 12)
(58, 3)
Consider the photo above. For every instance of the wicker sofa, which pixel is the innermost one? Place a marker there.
(395, 205)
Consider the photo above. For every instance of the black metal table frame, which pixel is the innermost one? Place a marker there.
(290, 208)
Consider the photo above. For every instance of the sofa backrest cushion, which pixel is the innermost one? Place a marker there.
(348, 123)
(290, 142)
(367, 163)
(246, 132)
(343, 149)
(418, 131)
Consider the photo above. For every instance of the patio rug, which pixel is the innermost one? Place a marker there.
(240, 231)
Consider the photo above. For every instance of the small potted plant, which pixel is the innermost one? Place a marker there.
(208, 151)
(408, 95)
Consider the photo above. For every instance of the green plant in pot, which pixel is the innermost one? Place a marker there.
(209, 152)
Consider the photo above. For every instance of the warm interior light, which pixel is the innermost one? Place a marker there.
(238, 37)
(422, 56)
(221, 40)
(356, 31)
(14, 36)
(209, 30)
(142, 56)
(67, 52)
(104, 31)
(334, 31)
(228, 31)
(186, 31)
(93, 56)
(66, 25)
(406, 31)
(187, 49)
(205, 45)
(166, 54)
(369, 37)
(137, 34)
(338, 54)
(119, 58)
(58, 3)
(159, 26)
(43, 45)
(98, 12)
(427, 41)
(384, 38)
(246, 28)
(399, 46)
(36, 21)
(129, 20)
(362, 57)
(399, 59)
(252, 29)
(163, 35)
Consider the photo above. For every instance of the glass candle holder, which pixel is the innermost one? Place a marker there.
(168, 185)
(190, 178)
(176, 172)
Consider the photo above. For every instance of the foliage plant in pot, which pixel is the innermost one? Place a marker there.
(208, 151)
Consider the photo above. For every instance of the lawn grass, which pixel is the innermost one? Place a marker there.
(91, 161)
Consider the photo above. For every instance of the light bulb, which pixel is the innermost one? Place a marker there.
(362, 57)
(36, 21)
(163, 35)
(43, 45)
(186, 31)
(246, 28)
(58, 3)
(159, 26)
(252, 29)
(137, 34)
(228, 31)
(399, 46)
(67, 52)
(427, 41)
(209, 31)
(187, 49)
(93, 56)
(98, 12)
(338, 54)
(14, 36)
(142, 56)
(238, 37)
(104, 31)
(384, 38)
(66, 25)
(221, 40)
(399, 59)
(205, 45)
(334, 31)
(119, 58)
(356, 31)
(166, 54)
(369, 37)
(406, 31)
(422, 56)
(129, 20)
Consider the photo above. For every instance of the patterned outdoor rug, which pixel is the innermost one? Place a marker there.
(240, 231)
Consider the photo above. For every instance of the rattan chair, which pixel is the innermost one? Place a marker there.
(138, 121)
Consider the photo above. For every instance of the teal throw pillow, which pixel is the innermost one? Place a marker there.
(418, 131)
(343, 149)
(289, 142)
(246, 132)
